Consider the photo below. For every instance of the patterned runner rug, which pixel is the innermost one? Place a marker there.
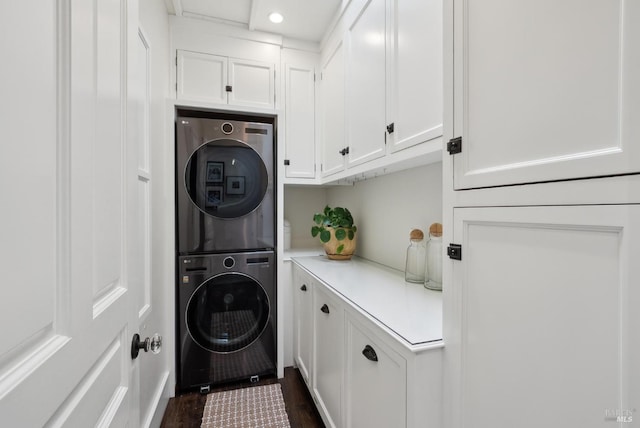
(254, 407)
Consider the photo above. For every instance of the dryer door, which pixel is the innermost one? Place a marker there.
(227, 312)
(226, 178)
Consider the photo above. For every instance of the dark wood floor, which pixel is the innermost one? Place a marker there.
(185, 411)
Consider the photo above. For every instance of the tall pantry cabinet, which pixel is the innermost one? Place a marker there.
(542, 195)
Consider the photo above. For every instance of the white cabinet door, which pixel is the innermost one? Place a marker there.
(414, 86)
(547, 299)
(202, 77)
(333, 112)
(375, 381)
(252, 83)
(303, 324)
(545, 91)
(328, 361)
(366, 84)
(222, 80)
(300, 147)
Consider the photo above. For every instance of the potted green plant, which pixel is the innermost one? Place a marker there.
(337, 232)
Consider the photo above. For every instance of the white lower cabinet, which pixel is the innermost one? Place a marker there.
(361, 374)
(376, 381)
(548, 300)
(303, 324)
(328, 346)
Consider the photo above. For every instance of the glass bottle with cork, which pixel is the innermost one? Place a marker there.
(433, 277)
(416, 258)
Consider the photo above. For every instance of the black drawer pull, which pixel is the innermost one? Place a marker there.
(370, 353)
(325, 308)
(304, 287)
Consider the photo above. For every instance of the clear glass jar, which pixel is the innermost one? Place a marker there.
(434, 258)
(416, 258)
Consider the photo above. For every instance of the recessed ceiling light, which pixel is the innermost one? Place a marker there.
(276, 18)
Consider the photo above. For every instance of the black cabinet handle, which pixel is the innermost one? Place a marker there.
(370, 353)
(325, 308)
(304, 287)
(390, 128)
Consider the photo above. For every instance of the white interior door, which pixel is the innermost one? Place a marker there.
(149, 312)
(69, 248)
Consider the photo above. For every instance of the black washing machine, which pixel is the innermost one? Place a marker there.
(224, 184)
(226, 318)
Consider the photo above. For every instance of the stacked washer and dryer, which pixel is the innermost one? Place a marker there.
(225, 221)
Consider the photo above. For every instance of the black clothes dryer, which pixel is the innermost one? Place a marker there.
(226, 318)
(224, 184)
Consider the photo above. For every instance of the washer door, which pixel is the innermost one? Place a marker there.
(227, 312)
(226, 178)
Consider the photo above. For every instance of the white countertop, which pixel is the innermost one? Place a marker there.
(303, 252)
(411, 311)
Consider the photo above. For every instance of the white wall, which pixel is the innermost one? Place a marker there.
(300, 204)
(386, 208)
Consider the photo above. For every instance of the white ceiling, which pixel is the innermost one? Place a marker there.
(303, 19)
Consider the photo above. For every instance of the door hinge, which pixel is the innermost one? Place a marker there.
(454, 145)
(286, 162)
(390, 128)
(454, 251)
(228, 88)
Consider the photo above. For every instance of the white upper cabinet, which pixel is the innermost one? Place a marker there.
(202, 77)
(366, 83)
(300, 147)
(414, 88)
(545, 90)
(392, 90)
(251, 83)
(223, 80)
(333, 112)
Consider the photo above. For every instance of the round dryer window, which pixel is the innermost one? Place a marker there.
(226, 178)
(227, 313)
